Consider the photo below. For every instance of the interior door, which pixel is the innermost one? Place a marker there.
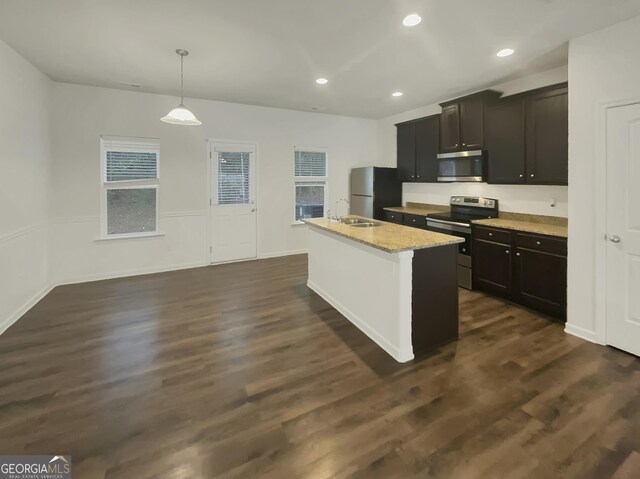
(233, 205)
(623, 228)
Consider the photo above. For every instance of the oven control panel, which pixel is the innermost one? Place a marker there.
(474, 201)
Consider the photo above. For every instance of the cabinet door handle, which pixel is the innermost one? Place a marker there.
(538, 243)
(521, 176)
(532, 175)
(507, 252)
(615, 239)
(517, 254)
(490, 234)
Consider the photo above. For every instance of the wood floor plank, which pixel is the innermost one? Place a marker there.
(240, 371)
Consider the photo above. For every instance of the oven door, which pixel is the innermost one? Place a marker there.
(464, 249)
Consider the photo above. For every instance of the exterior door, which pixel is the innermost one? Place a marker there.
(623, 229)
(233, 206)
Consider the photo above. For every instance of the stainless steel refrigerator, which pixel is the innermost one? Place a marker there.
(372, 189)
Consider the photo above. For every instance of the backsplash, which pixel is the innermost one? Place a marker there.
(531, 199)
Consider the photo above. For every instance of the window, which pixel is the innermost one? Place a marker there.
(233, 178)
(129, 186)
(310, 183)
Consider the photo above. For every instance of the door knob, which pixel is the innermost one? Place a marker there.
(614, 239)
(253, 210)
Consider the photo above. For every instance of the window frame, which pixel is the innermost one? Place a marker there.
(144, 145)
(301, 180)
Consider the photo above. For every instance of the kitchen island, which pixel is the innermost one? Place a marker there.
(397, 284)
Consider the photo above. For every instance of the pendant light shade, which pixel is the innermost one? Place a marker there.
(180, 115)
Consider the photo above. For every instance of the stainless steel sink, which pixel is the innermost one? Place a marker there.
(368, 224)
(350, 221)
(359, 222)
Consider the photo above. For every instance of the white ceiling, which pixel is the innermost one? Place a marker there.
(269, 52)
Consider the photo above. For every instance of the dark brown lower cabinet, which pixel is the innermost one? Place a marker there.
(393, 216)
(528, 269)
(416, 221)
(492, 269)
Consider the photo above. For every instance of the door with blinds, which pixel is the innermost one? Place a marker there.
(233, 206)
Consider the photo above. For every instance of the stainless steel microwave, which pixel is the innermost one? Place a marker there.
(461, 166)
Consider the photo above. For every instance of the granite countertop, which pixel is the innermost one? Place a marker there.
(420, 209)
(545, 225)
(389, 237)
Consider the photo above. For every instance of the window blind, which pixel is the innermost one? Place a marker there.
(122, 165)
(233, 178)
(310, 163)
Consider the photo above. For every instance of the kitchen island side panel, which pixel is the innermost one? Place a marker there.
(370, 287)
(434, 298)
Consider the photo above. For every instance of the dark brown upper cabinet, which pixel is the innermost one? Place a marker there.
(418, 147)
(463, 122)
(505, 140)
(406, 137)
(527, 137)
(427, 149)
(547, 136)
(450, 130)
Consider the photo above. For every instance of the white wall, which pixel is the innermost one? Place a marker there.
(522, 198)
(24, 185)
(84, 113)
(604, 67)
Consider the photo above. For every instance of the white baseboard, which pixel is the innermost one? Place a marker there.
(277, 254)
(394, 352)
(126, 274)
(582, 333)
(7, 323)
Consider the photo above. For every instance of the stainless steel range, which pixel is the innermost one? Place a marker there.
(464, 209)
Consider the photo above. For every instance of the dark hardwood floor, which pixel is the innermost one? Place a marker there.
(240, 371)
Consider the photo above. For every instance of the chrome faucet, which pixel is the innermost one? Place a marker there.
(338, 204)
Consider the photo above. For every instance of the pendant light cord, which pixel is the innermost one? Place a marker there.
(182, 79)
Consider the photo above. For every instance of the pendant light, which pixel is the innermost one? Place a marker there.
(180, 115)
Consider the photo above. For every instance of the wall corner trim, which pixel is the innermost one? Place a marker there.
(7, 323)
(582, 333)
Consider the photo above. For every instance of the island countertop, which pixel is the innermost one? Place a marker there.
(389, 237)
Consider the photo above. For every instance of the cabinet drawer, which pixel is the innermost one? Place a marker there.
(393, 217)
(492, 234)
(416, 221)
(546, 244)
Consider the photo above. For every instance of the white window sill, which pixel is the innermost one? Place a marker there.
(298, 223)
(128, 237)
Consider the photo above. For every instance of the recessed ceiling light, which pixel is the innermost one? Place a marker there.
(411, 20)
(322, 81)
(505, 52)
(397, 93)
